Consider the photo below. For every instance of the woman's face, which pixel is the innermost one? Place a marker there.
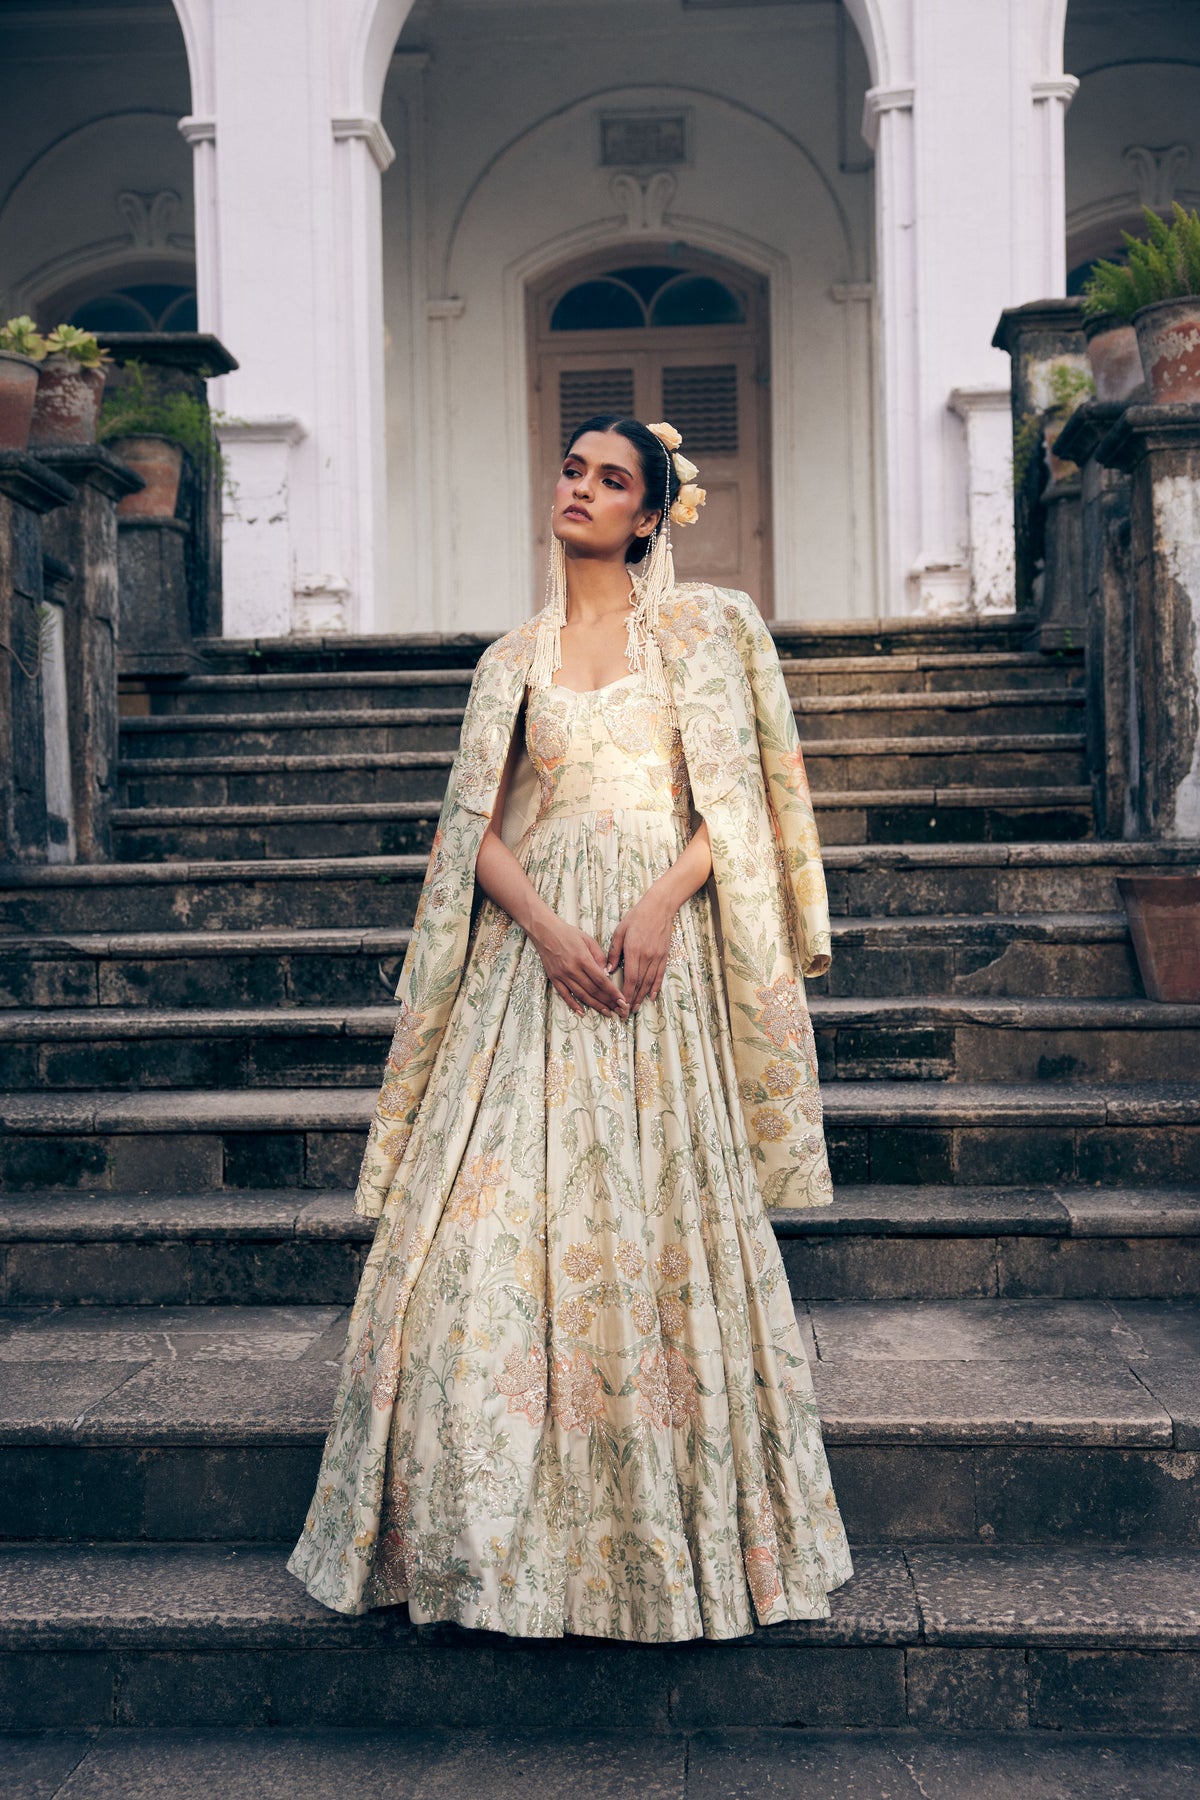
(598, 498)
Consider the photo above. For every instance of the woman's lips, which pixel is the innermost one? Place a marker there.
(575, 512)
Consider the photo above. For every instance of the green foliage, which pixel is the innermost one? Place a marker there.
(22, 337)
(141, 408)
(81, 346)
(1027, 437)
(1164, 265)
(1070, 386)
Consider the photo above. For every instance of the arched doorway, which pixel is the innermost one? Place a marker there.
(664, 332)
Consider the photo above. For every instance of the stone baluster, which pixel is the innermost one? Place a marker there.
(84, 535)
(1107, 611)
(28, 491)
(1040, 337)
(1158, 447)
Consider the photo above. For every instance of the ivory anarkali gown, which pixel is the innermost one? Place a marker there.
(604, 1421)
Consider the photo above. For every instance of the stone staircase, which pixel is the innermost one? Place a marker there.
(1003, 1305)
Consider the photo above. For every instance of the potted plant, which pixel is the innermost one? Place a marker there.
(1112, 348)
(150, 429)
(1157, 287)
(1164, 923)
(70, 384)
(22, 348)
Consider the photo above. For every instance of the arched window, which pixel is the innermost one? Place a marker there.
(646, 297)
(161, 306)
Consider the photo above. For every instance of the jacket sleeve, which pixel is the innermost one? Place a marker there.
(785, 779)
(433, 966)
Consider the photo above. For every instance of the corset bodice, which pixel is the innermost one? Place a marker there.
(615, 747)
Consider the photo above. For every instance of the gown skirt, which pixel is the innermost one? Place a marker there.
(575, 1395)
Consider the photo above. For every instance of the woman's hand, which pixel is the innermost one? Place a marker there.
(642, 942)
(574, 965)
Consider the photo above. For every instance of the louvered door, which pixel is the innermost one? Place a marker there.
(708, 385)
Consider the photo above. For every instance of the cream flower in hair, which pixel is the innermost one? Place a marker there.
(686, 509)
(686, 471)
(666, 435)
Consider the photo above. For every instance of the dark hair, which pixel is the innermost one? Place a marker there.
(656, 463)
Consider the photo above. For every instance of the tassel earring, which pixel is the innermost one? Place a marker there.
(649, 591)
(547, 649)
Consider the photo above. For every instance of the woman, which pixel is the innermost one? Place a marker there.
(575, 1397)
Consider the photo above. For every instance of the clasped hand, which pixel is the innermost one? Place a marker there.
(579, 970)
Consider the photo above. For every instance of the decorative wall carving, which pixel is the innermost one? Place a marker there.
(1157, 173)
(643, 199)
(150, 217)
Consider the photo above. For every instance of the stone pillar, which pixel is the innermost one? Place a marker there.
(1159, 448)
(186, 361)
(966, 116)
(986, 415)
(1107, 612)
(84, 536)
(289, 254)
(156, 632)
(27, 492)
(1039, 337)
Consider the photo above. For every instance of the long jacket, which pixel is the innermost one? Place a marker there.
(748, 783)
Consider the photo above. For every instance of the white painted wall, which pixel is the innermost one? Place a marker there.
(378, 453)
(498, 181)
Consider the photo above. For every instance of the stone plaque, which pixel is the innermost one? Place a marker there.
(642, 140)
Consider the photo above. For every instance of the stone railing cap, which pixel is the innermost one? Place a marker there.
(195, 351)
(93, 465)
(1085, 429)
(28, 481)
(1141, 429)
(1065, 316)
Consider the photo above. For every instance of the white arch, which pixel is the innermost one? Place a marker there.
(59, 221)
(543, 201)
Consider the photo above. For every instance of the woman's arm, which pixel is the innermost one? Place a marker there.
(573, 961)
(643, 938)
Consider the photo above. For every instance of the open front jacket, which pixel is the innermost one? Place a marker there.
(748, 783)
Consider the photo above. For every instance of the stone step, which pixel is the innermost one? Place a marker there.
(373, 1763)
(952, 1636)
(1139, 1134)
(1082, 955)
(836, 766)
(296, 1248)
(908, 634)
(367, 689)
(948, 1038)
(993, 1421)
(870, 881)
(402, 827)
(329, 731)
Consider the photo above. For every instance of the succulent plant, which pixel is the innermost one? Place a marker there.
(21, 337)
(81, 346)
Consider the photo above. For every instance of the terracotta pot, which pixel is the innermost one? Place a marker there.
(1164, 923)
(1112, 347)
(67, 404)
(1168, 335)
(159, 462)
(18, 390)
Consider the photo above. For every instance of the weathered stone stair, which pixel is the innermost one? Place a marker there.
(1003, 1303)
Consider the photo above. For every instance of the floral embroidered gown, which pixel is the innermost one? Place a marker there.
(603, 1417)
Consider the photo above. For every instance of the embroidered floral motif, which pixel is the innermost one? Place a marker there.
(577, 1393)
(523, 1382)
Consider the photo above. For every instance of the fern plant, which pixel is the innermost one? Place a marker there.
(1164, 265)
(139, 408)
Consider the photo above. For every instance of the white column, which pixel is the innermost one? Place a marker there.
(986, 414)
(289, 277)
(968, 134)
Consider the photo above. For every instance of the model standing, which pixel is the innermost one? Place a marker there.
(575, 1397)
